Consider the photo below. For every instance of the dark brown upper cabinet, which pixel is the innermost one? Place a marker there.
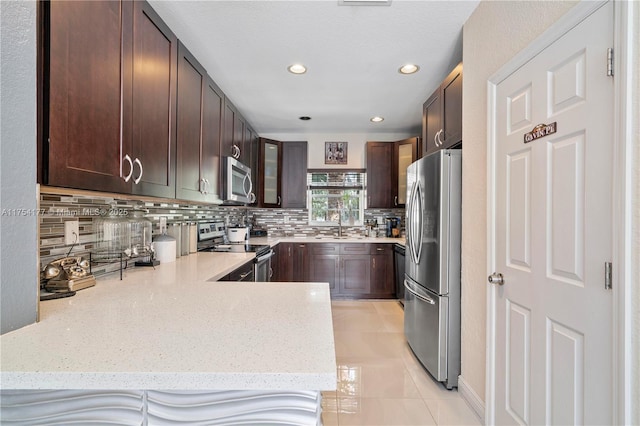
(88, 76)
(294, 175)
(387, 173)
(155, 53)
(111, 79)
(199, 116)
(282, 174)
(269, 191)
(233, 135)
(442, 115)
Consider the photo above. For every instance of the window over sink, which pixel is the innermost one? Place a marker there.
(335, 196)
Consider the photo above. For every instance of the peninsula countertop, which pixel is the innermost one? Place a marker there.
(172, 328)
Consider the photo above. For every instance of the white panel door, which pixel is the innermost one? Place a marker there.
(553, 358)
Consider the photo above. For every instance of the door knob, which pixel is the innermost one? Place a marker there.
(496, 278)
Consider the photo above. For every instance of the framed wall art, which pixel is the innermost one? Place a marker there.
(335, 153)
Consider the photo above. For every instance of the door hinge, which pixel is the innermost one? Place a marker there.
(607, 275)
(610, 62)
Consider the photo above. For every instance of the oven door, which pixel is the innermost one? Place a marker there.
(262, 267)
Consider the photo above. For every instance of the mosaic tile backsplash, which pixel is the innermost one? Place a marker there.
(57, 208)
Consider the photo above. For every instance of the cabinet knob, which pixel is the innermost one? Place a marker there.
(395, 200)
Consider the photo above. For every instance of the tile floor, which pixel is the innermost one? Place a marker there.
(380, 382)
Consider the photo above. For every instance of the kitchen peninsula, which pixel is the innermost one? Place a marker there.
(172, 344)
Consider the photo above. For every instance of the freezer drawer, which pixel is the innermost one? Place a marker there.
(426, 327)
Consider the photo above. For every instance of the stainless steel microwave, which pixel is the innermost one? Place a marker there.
(237, 186)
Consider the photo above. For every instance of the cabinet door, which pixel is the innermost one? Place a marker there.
(355, 274)
(300, 262)
(406, 152)
(252, 146)
(213, 104)
(238, 138)
(431, 123)
(294, 175)
(87, 94)
(380, 175)
(155, 53)
(191, 78)
(382, 272)
(227, 148)
(325, 268)
(270, 178)
(451, 90)
(285, 262)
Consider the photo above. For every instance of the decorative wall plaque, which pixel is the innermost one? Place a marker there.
(335, 153)
(540, 131)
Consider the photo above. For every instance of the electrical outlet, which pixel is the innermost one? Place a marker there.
(71, 232)
(286, 218)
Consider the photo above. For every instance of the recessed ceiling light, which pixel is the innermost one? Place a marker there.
(376, 119)
(408, 69)
(305, 118)
(297, 69)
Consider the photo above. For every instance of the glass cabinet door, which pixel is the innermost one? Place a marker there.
(271, 173)
(405, 158)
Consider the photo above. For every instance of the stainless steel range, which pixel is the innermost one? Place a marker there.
(212, 237)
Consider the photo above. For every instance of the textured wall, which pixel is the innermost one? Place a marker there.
(494, 33)
(18, 200)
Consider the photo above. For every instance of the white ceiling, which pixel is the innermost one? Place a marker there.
(352, 54)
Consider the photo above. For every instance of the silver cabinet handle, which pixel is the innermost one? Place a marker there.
(440, 133)
(139, 163)
(202, 185)
(270, 273)
(395, 200)
(252, 198)
(419, 296)
(435, 138)
(380, 249)
(245, 275)
(207, 185)
(279, 200)
(235, 151)
(127, 158)
(374, 263)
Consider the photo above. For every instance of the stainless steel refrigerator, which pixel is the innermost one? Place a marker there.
(432, 268)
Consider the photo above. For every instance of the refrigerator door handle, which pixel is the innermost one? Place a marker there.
(419, 296)
(416, 220)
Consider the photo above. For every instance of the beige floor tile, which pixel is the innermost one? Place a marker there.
(369, 344)
(388, 307)
(330, 419)
(452, 412)
(359, 321)
(428, 387)
(383, 411)
(352, 306)
(380, 378)
(393, 322)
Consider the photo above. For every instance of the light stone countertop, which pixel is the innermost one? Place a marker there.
(275, 240)
(170, 328)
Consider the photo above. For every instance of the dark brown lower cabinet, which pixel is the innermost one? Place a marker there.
(353, 270)
(293, 262)
(325, 268)
(382, 272)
